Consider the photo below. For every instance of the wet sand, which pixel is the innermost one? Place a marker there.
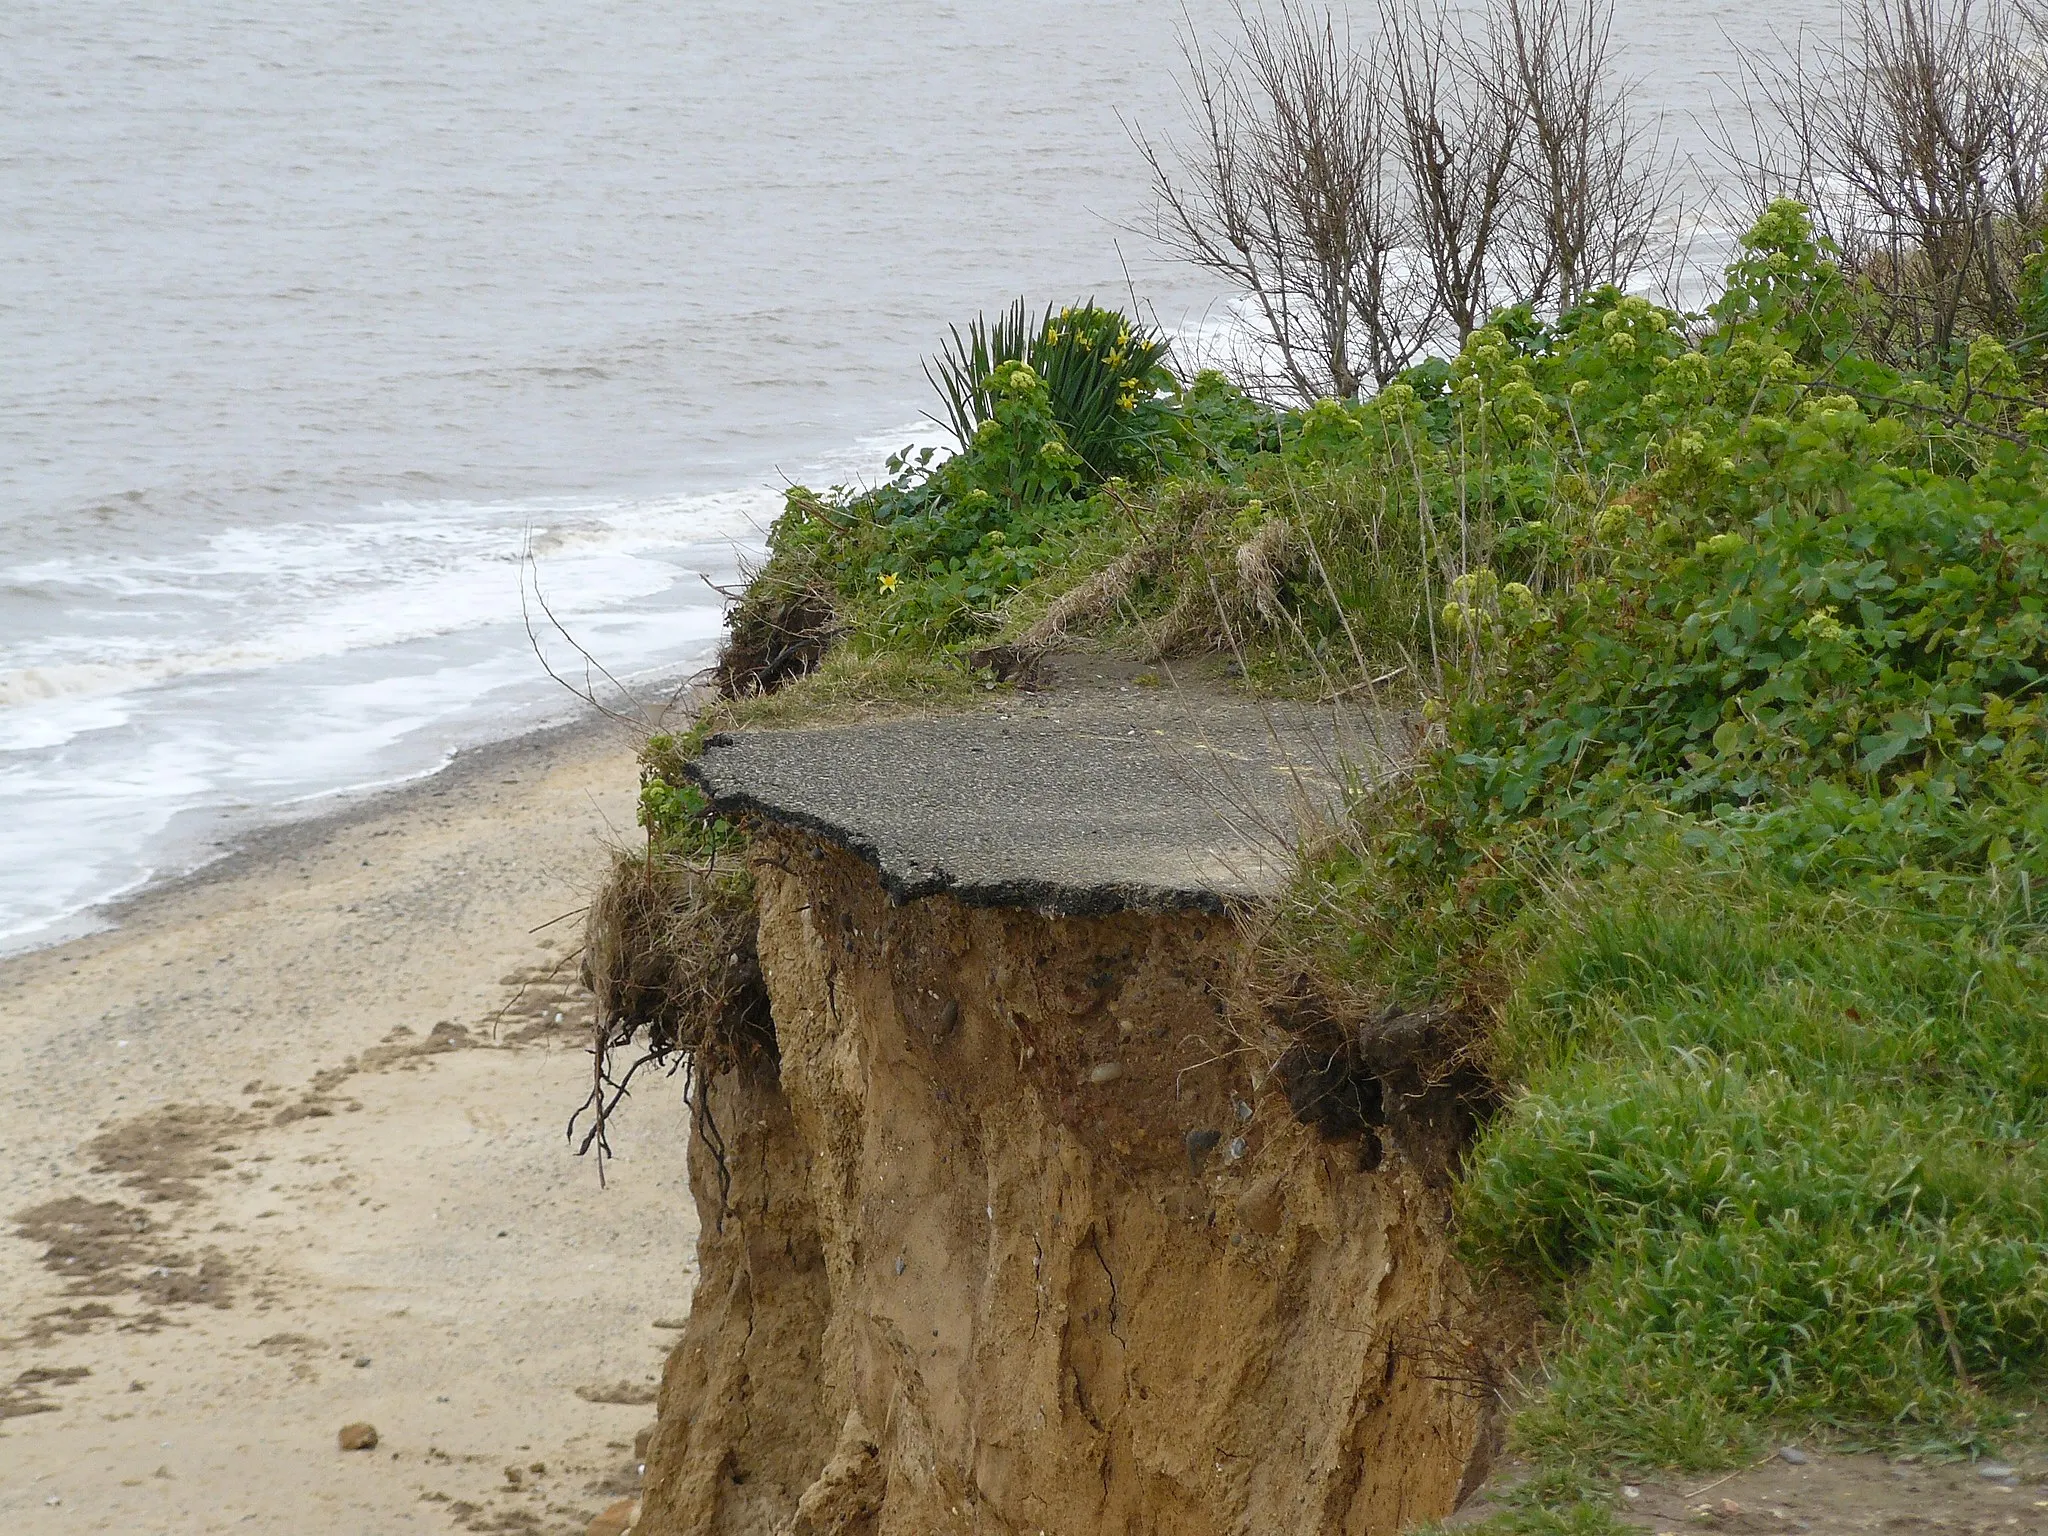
(283, 1151)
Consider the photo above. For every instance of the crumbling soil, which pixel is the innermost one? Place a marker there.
(1022, 1236)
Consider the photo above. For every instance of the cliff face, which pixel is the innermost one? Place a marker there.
(1020, 1238)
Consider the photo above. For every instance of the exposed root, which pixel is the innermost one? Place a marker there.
(1375, 1074)
(669, 953)
(778, 631)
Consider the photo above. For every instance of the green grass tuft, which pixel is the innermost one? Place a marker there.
(1778, 1158)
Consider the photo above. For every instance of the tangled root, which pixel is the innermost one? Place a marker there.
(669, 952)
(778, 632)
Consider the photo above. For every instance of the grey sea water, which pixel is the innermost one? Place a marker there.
(314, 319)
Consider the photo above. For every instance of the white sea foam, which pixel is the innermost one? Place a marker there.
(263, 670)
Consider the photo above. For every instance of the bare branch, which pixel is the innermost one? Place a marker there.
(1919, 138)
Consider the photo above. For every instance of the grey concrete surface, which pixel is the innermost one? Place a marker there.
(1097, 800)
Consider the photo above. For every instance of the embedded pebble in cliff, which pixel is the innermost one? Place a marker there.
(1200, 1145)
(1106, 1072)
(1260, 1208)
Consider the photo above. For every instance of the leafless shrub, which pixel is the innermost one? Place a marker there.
(1293, 194)
(1590, 178)
(1376, 199)
(1919, 138)
(1461, 118)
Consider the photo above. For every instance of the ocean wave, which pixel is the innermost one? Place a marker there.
(150, 697)
(38, 685)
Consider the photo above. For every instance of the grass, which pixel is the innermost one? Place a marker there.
(1777, 1159)
(855, 683)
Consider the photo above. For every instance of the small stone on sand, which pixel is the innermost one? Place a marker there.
(1793, 1455)
(358, 1437)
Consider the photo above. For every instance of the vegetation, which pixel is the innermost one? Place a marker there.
(1728, 637)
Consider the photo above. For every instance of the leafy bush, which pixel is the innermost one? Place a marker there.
(1736, 814)
(1731, 639)
(932, 556)
(1106, 380)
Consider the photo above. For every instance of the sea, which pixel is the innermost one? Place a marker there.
(375, 376)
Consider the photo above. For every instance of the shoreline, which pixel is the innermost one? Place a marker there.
(255, 836)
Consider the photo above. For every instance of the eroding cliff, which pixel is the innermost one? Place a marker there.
(1014, 1233)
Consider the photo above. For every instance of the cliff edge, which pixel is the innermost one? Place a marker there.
(1017, 1227)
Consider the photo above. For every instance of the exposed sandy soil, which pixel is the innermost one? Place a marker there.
(284, 1151)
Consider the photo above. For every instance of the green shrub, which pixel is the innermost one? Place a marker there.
(1107, 384)
(1736, 813)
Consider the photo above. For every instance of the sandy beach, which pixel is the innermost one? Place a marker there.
(284, 1152)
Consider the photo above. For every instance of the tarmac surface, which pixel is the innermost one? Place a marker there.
(1106, 796)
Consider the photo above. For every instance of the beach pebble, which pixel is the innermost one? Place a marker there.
(1793, 1455)
(358, 1437)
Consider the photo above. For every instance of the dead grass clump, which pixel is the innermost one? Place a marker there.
(669, 954)
(1095, 599)
(1243, 595)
